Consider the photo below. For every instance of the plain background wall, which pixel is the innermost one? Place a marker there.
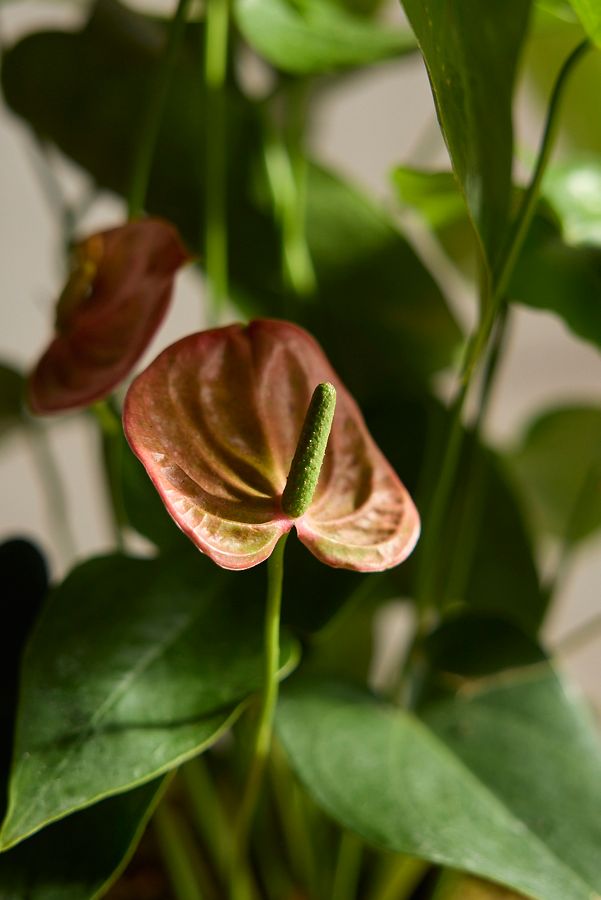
(374, 120)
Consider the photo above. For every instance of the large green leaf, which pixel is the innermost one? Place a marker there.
(135, 666)
(503, 781)
(78, 858)
(558, 468)
(589, 13)
(317, 36)
(471, 51)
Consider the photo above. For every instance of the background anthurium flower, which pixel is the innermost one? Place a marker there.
(215, 420)
(115, 299)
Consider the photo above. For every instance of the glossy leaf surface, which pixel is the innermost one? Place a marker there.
(216, 419)
(320, 36)
(114, 301)
(135, 666)
(78, 858)
(486, 757)
(471, 52)
(558, 468)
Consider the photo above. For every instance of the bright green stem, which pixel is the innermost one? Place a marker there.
(216, 251)
(428, 570)
(207, 812)
(526, 212)
(348, 867)
(178, 853)
(154, 113)
(269, 696)
(310, 451)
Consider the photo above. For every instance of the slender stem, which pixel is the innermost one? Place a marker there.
(52, 483)
(527, 209)
(177, 853)
(111, 443)
(348, 867)
(427, 572)
(207, 812)
(215, 61)
(269, 695)
(154, 112)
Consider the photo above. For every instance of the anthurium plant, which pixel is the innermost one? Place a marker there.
(195, 714)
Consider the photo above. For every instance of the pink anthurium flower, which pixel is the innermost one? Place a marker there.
(114, 301)
(215, 419)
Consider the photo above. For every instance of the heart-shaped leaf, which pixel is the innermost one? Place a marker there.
(135, 666)
(114, 301)
(320, 36)
(467, 785)
(216, 419)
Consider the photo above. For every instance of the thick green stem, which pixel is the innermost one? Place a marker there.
(428, 569)
(154, 112)
(269, 696)
(398, 878)
(216, 248)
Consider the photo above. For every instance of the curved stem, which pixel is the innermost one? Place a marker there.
(151, 123)
(216, 250)
(269, 696)
(427, 572)
(526, 212)
(110, 434)
(54, 493)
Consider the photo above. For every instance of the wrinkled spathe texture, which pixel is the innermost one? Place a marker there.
(114, 300)
(215, 420)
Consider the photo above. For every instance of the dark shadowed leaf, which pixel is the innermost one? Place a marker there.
(558, 468)
(319, 36)
(471, 52)
(134, 666)
(486, 757)
(78, 858)
(565, 280)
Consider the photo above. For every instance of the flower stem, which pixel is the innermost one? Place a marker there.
(215, 61)
(348, 867)
(154, 112)
(110, 435)
(269, 695)
(428, 571)
(177, 853)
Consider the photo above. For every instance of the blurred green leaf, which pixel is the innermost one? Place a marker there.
(554, 276)
(573, 190)
(135, 666)
(369, 277)
(558, 468)
(78, 858)
(435, 195)
(316, 35)
(380, 315)
(471, 52)
(486, 758)
(589, 13)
